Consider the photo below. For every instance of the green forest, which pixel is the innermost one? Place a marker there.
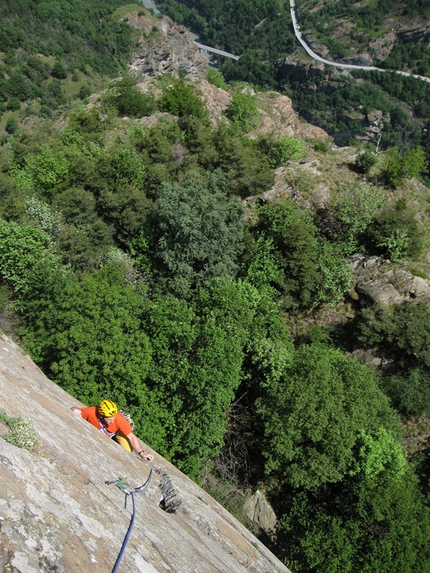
(135, 265)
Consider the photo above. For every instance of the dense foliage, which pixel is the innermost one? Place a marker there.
(137, 273)
(44, 43)
(78, 33)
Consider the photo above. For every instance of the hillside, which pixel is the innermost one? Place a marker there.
(386, 34)
(254, 295)
(391, 35)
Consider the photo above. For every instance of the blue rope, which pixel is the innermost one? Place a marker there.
(128, 492)
(127, 537)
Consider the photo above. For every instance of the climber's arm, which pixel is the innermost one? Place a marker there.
(135, 444)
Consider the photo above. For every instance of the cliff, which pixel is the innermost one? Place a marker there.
(58, 514)
(163, 47)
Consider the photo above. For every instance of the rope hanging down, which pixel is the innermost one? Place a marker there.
(128, 491)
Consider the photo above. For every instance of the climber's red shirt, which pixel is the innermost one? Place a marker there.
(118, 424)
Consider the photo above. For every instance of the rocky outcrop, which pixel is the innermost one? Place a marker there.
(383, 282)
(216, 101)
(278, 118)
(357, 61)
(415, 34)
(164, 47)
(296, 70)
(259, 511)
(57, 513)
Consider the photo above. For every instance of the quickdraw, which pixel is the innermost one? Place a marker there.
(128, 492)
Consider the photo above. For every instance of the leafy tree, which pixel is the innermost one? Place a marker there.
(21, 248)
(47, 219)
(396, 233)
(128, 100)
(243, 111)
(55, 95)
(84, 92)
(282, 150)
(398, 330)
(313, 415)
(294, 241)
(378, 452)
(155, 146)
(14, 104)
(359, 525)
(409, 390)
(197, 234)
(18, 87)
(263, 272)
(126, 167)
(91, 342)
(37, 64)
(398, 167)
(216, 78)
(44, 171)
(198, 137)
(59, 71)
(77, 206)
(45, 111)
(11, 126)
(356, 208)
(84, 248)
(86, 123)
(179, 99)
(248, 170)
(197, 355)
(335, 275)
(31, 269)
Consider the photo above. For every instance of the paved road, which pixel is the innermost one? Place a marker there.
(315, 56)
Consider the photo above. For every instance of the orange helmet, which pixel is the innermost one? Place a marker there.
(108, 409)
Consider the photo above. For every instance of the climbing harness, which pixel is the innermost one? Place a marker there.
(128, 492)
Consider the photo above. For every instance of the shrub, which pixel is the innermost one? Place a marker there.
(396, 233)
(302, 181)
(286, 149)
(11, 126)
(59, 71)
(181, 100)
(397, 168)
(22, 433)
(84, 92)
(14, 104)
(129, 101)
(243, 111)
(216, 78)
(365, 161)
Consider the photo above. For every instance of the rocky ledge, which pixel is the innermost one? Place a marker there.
(386, 283)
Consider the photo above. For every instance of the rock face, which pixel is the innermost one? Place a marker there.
(163, 47)
(259, 511)
(58, 514)
(278, 118)
(383, 282)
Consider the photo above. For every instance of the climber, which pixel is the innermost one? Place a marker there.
(111, 422)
